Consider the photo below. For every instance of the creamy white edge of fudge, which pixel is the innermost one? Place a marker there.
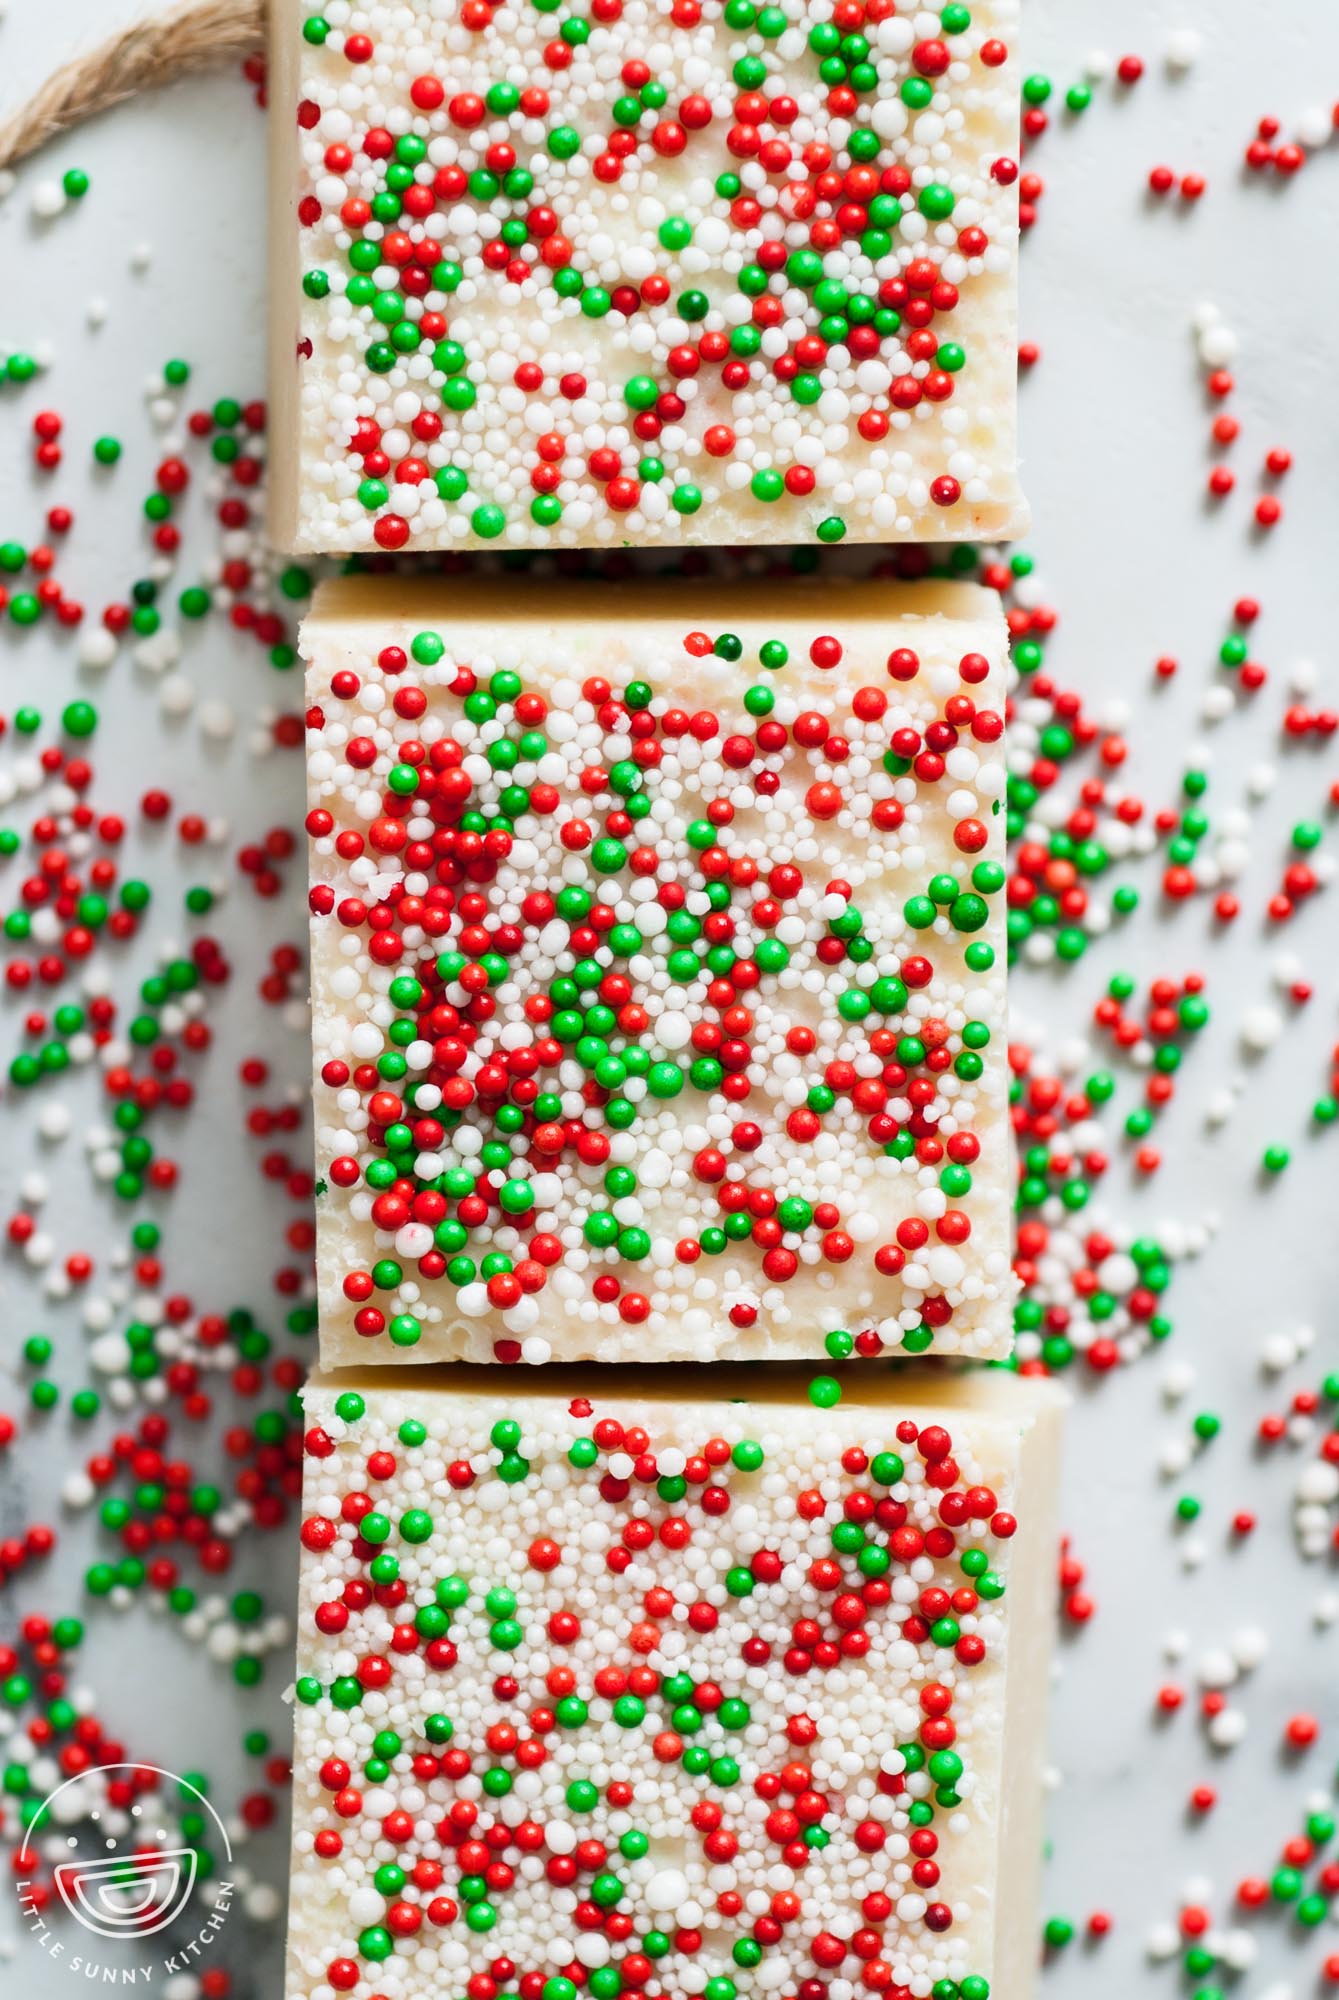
(728, 394)
(870, 1245)
(466, 1508)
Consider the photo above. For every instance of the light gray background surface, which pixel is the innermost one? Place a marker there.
(1115, 429)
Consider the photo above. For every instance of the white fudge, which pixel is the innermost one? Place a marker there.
(697, 271)
(644, 1682)
(658, 971)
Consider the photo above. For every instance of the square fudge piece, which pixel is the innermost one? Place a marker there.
(658, 971)
(550, 275)
(645, 1682)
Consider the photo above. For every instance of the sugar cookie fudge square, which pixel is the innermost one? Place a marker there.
(658, 971)
(646, 1682)
(648, 271)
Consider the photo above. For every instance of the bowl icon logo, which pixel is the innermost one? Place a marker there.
(117, 1840)
(127, 1895)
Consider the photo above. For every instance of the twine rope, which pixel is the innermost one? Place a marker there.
(144, 56)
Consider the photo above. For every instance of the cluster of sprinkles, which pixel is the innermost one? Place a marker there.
(599, 1702)
(133, 950)
(658, 1015)
(720, 271)
(1089, 1285)
(1071, 827)
(1276, 146)
(210, 461)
